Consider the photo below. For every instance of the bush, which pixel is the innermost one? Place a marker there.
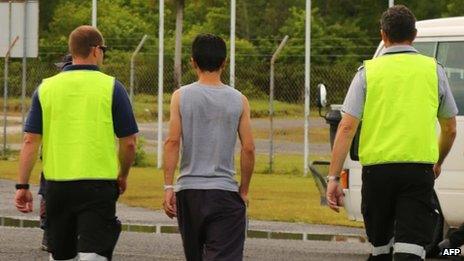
(140, 154)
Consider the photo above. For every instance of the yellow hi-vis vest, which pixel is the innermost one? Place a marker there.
(78, 140)
(400, 113)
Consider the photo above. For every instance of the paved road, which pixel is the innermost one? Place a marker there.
(23, 244)
(149, 131)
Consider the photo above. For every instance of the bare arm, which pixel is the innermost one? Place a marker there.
(447, 136)
(172, 143)
(127, 148)
(171, 154)
(345, 134)
(28, 156)
(247, 154)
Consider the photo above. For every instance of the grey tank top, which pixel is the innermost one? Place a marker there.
(210, 117)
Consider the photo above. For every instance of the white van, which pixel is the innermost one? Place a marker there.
(444, 40)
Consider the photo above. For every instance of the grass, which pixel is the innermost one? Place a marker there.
(146, 107)
(14, 138)
(316, 135)
(286, 196)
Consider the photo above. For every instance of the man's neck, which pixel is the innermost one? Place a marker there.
(388, 44)
(210, 78)
(80, 61)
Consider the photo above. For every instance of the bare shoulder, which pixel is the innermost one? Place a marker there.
(176, 95)
(245, 101)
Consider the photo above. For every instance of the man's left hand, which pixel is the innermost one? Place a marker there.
(437, 170)
(23, 200)
(122, 184)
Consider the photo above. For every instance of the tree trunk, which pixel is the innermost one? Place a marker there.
(178, 45)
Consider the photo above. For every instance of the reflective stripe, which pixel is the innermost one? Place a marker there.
(72, 259)
(409, 249)
(382, 250)
(91, 257)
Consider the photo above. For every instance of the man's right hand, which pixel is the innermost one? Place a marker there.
(169, 203)
(23, 200)
(245, 198)
(334, 195)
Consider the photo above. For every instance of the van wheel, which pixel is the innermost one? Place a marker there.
(438, 226)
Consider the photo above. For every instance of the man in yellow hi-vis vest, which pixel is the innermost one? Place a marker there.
(76, 115)
(398, 96)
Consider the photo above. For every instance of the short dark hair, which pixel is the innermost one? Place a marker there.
(82, 39)
(209, 52)
(399, 24)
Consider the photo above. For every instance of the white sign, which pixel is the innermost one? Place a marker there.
(17, 28)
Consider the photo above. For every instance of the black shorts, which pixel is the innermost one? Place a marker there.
(212, 224)
(81, 218)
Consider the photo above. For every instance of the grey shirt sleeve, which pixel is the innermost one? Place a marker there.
(356, 96)
(447, 106)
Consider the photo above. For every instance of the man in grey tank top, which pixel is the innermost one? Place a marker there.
(206, 117)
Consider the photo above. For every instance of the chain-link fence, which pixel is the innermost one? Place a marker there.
(252, 79)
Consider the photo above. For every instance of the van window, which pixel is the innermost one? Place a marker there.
(426, 48)
(451, 56)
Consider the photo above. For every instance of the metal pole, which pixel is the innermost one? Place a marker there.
(271, 104)
(23, 81)
(391, 3)
(5, 93)
(232, 42)
(94, 13)
(160, 83)
(178, 44)
(5, 86)
(307, 84)
(132, 68)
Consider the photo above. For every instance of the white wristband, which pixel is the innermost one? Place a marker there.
(166, 187)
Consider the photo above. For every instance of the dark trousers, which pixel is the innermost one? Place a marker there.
(43, 212)
(397, 209)
(457, 237)
(81, 218)
(212, 224)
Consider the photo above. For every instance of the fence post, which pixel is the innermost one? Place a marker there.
(271, 103)
(232, 42)
(307, 85)
(160, 83)
(94, 13)
(5, 94)
(132, 68)
(23, 81)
